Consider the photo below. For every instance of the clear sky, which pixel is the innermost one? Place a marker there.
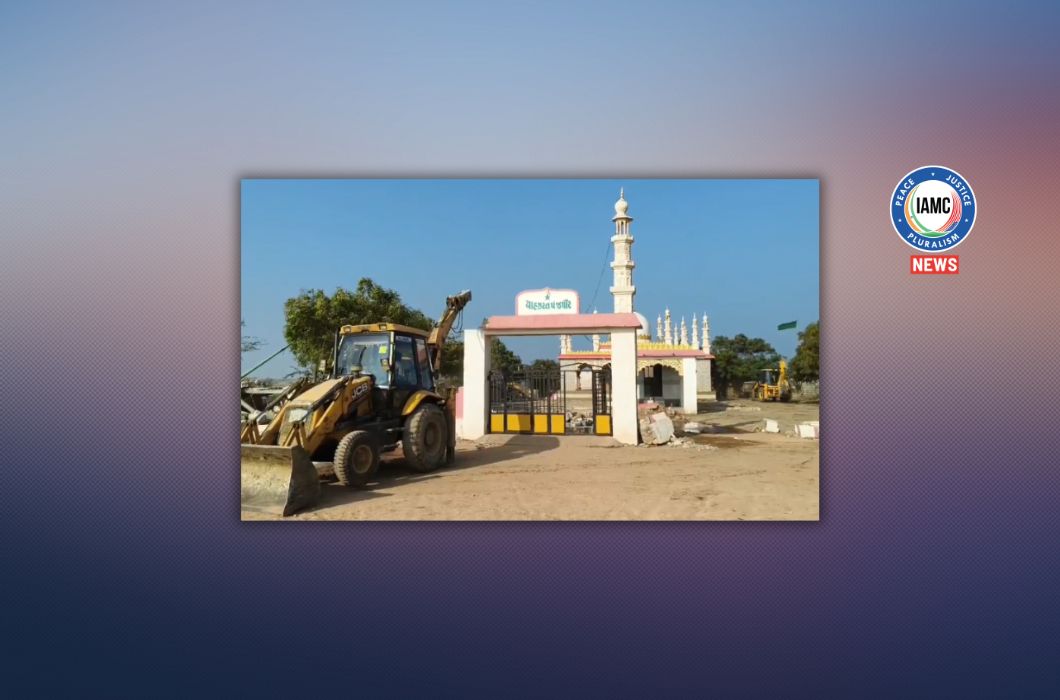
(745, 252)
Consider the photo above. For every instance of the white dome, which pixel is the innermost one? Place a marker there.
(621, 206)
(645, 329)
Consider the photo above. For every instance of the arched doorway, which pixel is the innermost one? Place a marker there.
(584, 370)
(662, 383)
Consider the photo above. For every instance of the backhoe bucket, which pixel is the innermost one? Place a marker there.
(277, 480)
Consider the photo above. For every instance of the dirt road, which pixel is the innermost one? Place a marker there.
(728, 474)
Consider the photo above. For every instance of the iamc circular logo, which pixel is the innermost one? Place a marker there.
(933, 208)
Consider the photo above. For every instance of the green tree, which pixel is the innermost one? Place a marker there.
(806, 365)
(738, 360)
(501, 358)
(452, 364)
(312, 317)
(544, 366)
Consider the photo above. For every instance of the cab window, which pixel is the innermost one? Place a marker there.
(404, 362)
(366, 353)
(424, 363)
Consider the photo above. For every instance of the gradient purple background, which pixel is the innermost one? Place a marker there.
(124, 133)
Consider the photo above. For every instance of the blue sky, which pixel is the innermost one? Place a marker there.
(745, 252)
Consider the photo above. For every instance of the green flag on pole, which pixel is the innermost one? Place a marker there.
(786, 326)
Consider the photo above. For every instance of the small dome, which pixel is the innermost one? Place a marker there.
(621, 206)
(645, 329)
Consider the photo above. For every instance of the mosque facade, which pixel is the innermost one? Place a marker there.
(673, 364)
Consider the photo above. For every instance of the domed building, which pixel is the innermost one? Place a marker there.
(673, 365)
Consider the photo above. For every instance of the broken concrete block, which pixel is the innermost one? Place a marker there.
(693, 427)
(809, 430)
(772, 426)
(647, 432)
(663, 428)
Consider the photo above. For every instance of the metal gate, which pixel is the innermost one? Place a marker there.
(527, 401)
(602, 401)
(536, 402)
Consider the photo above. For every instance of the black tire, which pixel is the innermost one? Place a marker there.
(356, 458)
(425, 438)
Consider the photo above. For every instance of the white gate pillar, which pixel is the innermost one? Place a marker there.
(624, 386)
(476, 397)
(689, 385)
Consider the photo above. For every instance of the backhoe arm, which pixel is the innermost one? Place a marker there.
(453, 306)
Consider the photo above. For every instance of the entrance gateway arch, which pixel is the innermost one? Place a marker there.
(622, 327)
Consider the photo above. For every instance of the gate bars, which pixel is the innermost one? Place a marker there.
(534, 401)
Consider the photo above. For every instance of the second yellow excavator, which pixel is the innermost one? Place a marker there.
(772, 384)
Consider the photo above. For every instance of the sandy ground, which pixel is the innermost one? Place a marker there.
(731, 473)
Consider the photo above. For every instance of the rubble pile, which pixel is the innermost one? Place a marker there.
(578, 420)
(660, 426)
(810, 430)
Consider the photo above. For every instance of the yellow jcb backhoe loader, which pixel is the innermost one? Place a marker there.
(772, 384)
(381, 394)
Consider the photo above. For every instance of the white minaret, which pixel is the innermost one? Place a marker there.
(695, 331)
(668, 336)
(684, 332)
(658, 329)
(706, 334)
(622, 266)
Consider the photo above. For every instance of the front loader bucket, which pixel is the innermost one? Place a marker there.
(277, 480)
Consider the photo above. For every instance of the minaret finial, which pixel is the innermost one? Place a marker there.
(622, 289)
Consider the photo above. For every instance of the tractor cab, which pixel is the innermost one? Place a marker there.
(767, 376)
(395, 356)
